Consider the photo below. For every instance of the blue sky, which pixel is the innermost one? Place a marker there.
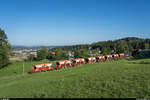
(68, 22)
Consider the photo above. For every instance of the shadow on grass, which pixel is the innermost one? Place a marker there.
(142, 62)
(137, 58)
(5, 65)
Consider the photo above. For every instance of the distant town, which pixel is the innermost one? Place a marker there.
(25, 52)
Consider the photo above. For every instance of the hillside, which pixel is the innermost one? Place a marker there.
(127, 44)
(125, 78)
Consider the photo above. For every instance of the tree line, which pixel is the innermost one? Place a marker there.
(57, 54)
(44, 53)
(124, 45)
(5, 49)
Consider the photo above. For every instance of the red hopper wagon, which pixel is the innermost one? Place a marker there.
(93, 59)
(82, 60)
(121, 55)
(68, 63)
(115, 56)
(60, 64)
(76, 62)
(88, 60)
(100, 58)
(108, 57)
(41, 67)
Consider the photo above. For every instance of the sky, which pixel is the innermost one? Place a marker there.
(70, 22)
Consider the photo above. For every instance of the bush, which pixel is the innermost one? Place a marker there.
(31, 57)
(142, 54)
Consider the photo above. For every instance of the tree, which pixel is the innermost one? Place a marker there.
(42, 53)
(3, 38)
(131, 48)
(60, 54)
(4, 49)
(57, 54)
(31, 57)
(81, 53)
(146, 46)
(122, 47)
(51, 56)
(77, 54)
(105, 50)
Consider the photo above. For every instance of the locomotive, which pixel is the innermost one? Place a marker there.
(41, 67)
(76, 62)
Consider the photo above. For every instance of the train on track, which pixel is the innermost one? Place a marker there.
(78, 61)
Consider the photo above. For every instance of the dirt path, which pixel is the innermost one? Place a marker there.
(18, 58)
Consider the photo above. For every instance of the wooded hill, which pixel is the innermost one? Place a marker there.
(128, 44)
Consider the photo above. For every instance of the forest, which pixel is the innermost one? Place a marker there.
(124, 45)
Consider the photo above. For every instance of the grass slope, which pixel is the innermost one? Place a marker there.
(113, 79)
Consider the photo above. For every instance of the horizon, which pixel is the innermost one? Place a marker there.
(76, 44)
(73, 22)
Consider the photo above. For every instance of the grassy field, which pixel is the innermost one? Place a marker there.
(125, 78)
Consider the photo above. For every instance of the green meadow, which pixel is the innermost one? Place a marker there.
(124, 78)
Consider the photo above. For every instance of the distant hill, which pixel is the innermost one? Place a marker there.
(127, 44)
(130, 38)
(127, 39)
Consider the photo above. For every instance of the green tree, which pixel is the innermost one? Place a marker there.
(77, 54)
(81, 53)
(131, 48)
(60, 54)
(105, 50)
(122, 47)
(51, 56)
(42, 53)
(4, 49)
(146, 46)
(31, 57)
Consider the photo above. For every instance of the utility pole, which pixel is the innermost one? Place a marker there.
(23, 66)
(31, 60)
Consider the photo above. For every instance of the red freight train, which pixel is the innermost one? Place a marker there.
(75, 62)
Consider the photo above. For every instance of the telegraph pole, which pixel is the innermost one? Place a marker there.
(23, 66)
